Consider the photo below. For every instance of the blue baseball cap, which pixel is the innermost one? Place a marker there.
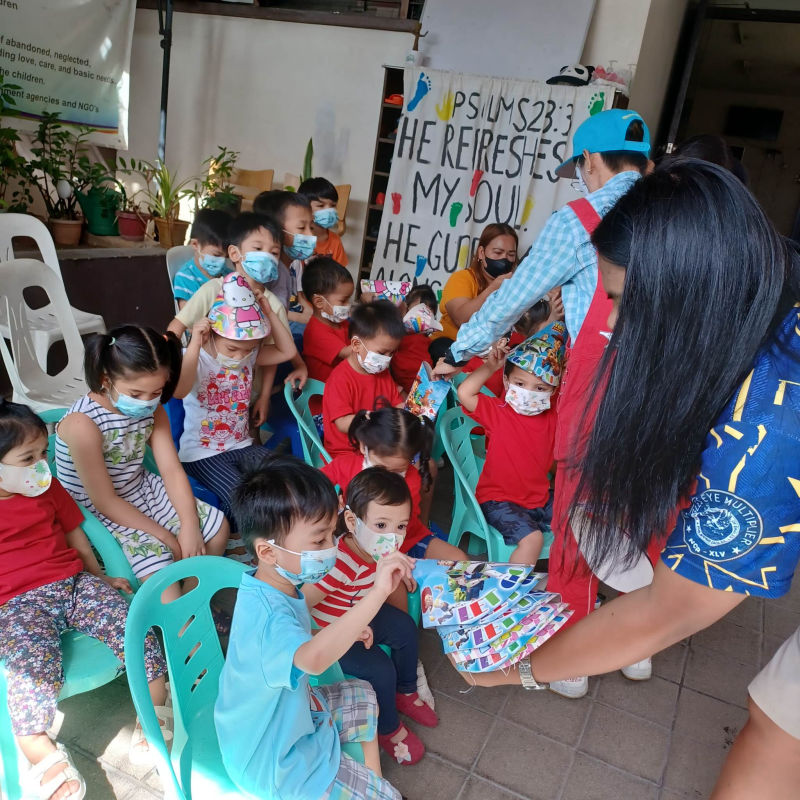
(603, 133)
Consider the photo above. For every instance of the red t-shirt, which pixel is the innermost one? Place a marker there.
(322, 344)
(33, 541)
(347, 392)
(519, 453)
(412, 352)
(344, 468)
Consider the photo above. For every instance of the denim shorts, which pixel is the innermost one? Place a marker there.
(514, 521)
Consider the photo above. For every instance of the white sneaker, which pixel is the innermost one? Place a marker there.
(571, 687)
(640, 671)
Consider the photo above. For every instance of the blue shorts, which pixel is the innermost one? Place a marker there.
(514, 521)
(420, 549)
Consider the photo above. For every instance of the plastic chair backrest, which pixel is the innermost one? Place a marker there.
(260, 179)
(13, 226)
(343, 190)
(314, 452)
(456, 430)
(176, 257)
(22, 364)
(193, 653)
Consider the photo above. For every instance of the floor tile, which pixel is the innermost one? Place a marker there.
(590, 779)
(780, 622)
(670, 663)
(430, 778)
(770, 647)
(106, 783)
(731, 640)
(546, 712)
(748, 614)
(450, 682)
(653, 700)
(720, 676)
(703, 718)
(627, 742)
(693, 766)
(524, 761)
(477, 789)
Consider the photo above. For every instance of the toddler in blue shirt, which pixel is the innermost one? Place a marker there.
(279, 736)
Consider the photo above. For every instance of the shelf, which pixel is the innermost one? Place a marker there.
(393, 106)
(371, 239)
(375, 207)
(386, 140)
(379, 174)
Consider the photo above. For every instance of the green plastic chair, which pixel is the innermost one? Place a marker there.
(194, 768)
(314, 452)
(467, 466)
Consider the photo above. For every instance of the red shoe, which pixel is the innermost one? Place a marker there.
(405, 752)
(424, 714)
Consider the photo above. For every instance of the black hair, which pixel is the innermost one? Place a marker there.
(619, 160)
(707, 280)
(376, 485)
(130, 349)
(322, 275)
(367, 320)
(210, 227)
(275, 202)
(275, 493)
(425, 295)
(710, 147)
(249, 222)
(318, 189)
(386, 431)
(532, 319)
(18, 423)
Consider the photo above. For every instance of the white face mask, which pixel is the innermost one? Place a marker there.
(582, 187)
(373, 363)
(30, 481)
(527, 402)
(340, 314)
(376, 543)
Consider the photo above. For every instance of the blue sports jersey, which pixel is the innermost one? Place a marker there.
(741, 532)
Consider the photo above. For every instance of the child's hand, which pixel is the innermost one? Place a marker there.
(201, 331)
(410, 584)
(367, 637)
(191, 543)
(297, 377)
(120, 584)
(443, 371)
(497, 355)
(260, 410)
(391, 570)
(556, 306)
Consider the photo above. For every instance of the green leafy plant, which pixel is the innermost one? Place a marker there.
(12, 165)
(214, 189)
(309, 157)
(162, 189)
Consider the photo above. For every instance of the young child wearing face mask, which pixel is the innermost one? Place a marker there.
(323, 197)
(280, 736)
(420, 322)
(101, 445)
(514, 490)
(50, 580)
(216, 382)
(362, 381)
(209, 239)
(376, 519)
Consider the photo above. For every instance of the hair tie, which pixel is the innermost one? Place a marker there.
(166, 338)
(366, 415)
(113, 341)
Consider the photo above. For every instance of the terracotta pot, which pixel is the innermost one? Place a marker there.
(132, 226)
(171, 233)
(66, 232)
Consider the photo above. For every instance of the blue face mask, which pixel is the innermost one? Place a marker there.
(260, 266)
(133, 406)
(314, 565)
(302, 246)
(214, 265)
(326, 217)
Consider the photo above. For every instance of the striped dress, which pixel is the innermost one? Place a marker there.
(124, 443)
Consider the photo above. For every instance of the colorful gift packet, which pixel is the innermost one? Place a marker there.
(488, 616)
(395, 291)
(427, 395)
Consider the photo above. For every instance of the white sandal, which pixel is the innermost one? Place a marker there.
(44, 791)
(141, 756)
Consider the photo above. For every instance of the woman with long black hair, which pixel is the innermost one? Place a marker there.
(700, 410)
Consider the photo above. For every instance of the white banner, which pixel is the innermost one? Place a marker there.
(71, 57)
(471, 150)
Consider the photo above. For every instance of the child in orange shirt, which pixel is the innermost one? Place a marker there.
(323, 197)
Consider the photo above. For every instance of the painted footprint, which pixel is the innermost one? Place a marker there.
(596, 103)
(444, 110)
(476, 179)
(396, 200)
(455, 210)
(423, 87)
(421, 262)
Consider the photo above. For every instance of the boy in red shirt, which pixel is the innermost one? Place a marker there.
(362, 380)
(420, 322)
(514, 490)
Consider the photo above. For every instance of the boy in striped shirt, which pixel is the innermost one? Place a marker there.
(377, 516)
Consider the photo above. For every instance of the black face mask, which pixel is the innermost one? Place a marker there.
(498, 266)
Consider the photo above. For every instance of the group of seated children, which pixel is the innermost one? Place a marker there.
(285, 512)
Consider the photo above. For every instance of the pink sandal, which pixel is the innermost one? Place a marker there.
(424, 714)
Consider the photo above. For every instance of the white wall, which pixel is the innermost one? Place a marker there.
(616, 32)
(263, 88)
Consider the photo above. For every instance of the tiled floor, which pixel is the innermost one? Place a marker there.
(662, 739)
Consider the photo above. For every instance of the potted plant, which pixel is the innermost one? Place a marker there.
(164, 194)
(15, 193)
(104, 196)
(215, 190)
(132, 219)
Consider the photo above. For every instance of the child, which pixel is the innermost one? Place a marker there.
(279, 736)
(420, 322)
(362, 379)
(328, 286)
(514, 490)
(50, 580)
(254, 246)
(216, 381)
(377, 517)
(100, 450)
(396, 440)
(323, 197)
(210, 243)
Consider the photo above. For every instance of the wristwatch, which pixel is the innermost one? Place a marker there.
(526, 675)
(450, 359)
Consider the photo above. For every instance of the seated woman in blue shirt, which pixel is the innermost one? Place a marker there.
(701, 413)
